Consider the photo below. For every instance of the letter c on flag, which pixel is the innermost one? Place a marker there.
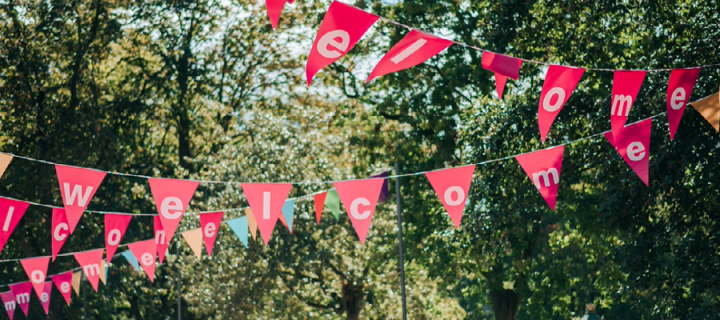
(57, 235)
(328, 39)
(354, 209)
(548, 98)
(37, 276)
(460, 196)
(113, 237)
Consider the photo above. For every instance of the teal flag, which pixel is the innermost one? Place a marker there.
(287, 211)
(130, 257)
(332, 201)
(240, 227)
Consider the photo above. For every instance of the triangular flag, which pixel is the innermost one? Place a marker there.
(634, 147)
(77, 186)
(415, 48)
(115, 227)
(60, 231)
(543, 167)
(319, 205)
(709, 108)
(341, 29)
(503, 66)
(680, 87)
(385, 193)
(145, 250)
(22, 293)
(76, 279)
(274, 10)
(103, 272)
(359, 197)
(626, 86)
(90, 262)
(240, 227)
(288, 210)
(36, 270)
(11, 212)
(252, 225)
(560, 82)
(161, 239)
(5, 160)
(266, 201)
(8, 299)
(45, 296)
(453, 187)
(172, 198)
(194, 239)
(130, 257)
(210, 223)
(332, 201)
(64, 282)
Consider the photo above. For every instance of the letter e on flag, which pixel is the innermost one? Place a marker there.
(144, 251)
(414, 49)
(266, 201)
(543, 169)
(452, 187)
(45, 296)
(680, 87)
(77, 186)
(359, 197)
(634, 147)
(63, 282)
(172, 198)
(210, 223)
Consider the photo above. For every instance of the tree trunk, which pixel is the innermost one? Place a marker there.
(505, 304)
(352, 316)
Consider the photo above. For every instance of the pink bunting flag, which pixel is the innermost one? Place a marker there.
(60, 231)
(11, 212)
(359, 197)
(45, 296)
(543, 169)
(36, 270)
(145, 252)
(8, 299)
(210, 223)
(319, 200)
(90, 264)
(680, 87)
(115, 227)
(63, 282)
(452, 187)
(503, 66)
(560, 82)
(22, 293)
(161, 239)
(416, 48)
(341, 29)
(274, 10)
(626, 86)
(172, 198)
(77, 186)
(266, 201)
(634, 147)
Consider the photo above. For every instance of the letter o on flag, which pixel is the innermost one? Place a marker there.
(210, 229)
(354, 209)
(65, 287)
(37, 276)
(113, 237)
(171, 203)
(58, 228)
(448, 196)
(328, 39)
(555, 91)
(147, 259)
(636, 151)
(44, 297)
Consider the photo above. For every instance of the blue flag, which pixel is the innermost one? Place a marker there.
(287, 211)
(130, 257)
(240, 227)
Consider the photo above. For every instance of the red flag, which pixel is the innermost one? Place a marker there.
(115, 226)
(11, 212)
(63, 282)
(503, 66)
(634, 147)
(274, 10)
(78, 187)
(626, 86)
(161, 239)
(680, 88)
(172, 198)
(266, 201)
(560, 82)
(8, 299)
(452, 186)
(45, 296)
(22, 295)
(543, 169)
(90, 264)
(341, 29)
(210, 223)
(319, 205)
(36, 270)
(60, 231)
(359, 197)
(145, 252)
(414, 49)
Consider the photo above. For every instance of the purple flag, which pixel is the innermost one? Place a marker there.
(384, 193)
